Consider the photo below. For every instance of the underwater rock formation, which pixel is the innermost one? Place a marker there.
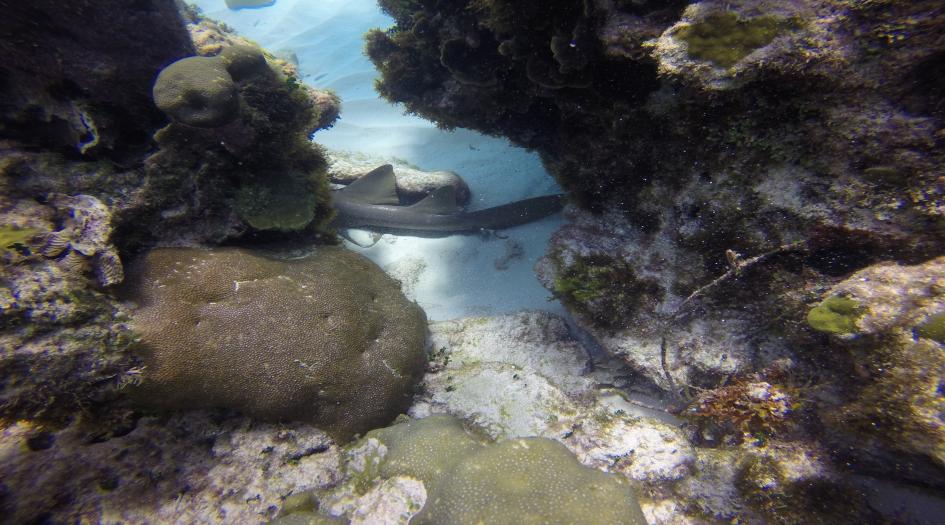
(65, 344)
(194, 468)
(250, 166)
(609, 94)
(327, 339)
(82, 184)
(77, 77)
(895, 410)
(729, 163)
(522, 375)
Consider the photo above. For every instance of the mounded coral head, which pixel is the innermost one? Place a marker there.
(328, 338)
(519, 481)
(244, 61)
(197, 91)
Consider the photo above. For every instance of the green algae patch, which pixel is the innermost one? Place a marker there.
(835, 315)
(724, 38)
(11, 237)
(933, 328)
(281, 205)
(604, 288)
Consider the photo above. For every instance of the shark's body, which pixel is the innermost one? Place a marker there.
(371, 202)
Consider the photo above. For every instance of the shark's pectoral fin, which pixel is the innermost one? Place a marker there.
(375, 238)
(441, 201)
(378, 186)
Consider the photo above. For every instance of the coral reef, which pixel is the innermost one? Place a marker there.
(725, 39)
(525, 375)
(731, 165)
(65, 343)
(250, 163)
(77, 78)
(328, 339)
(83, 187)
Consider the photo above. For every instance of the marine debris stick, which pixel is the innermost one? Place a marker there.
(737, 265)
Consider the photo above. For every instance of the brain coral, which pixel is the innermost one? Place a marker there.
(518, 481)
(243, 61)
(197, 91)
(328, 338)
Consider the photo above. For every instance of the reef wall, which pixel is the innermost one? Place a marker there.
(728, 163)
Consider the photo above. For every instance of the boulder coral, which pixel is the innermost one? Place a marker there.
(328, 338)
(197, 91)
(471, 480)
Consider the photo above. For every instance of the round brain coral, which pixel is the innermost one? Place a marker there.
(520, 481)
(197, 91)
(244, 61)
(328, 338)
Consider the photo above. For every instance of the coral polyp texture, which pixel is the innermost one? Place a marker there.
(197, 91)
(328, 338)
(469, 480)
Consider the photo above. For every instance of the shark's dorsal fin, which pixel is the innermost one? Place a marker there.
(441, 201)
(377, 186)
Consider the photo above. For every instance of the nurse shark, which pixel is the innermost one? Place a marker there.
(371, 202)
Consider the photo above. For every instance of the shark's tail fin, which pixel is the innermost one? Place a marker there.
(519, 212)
